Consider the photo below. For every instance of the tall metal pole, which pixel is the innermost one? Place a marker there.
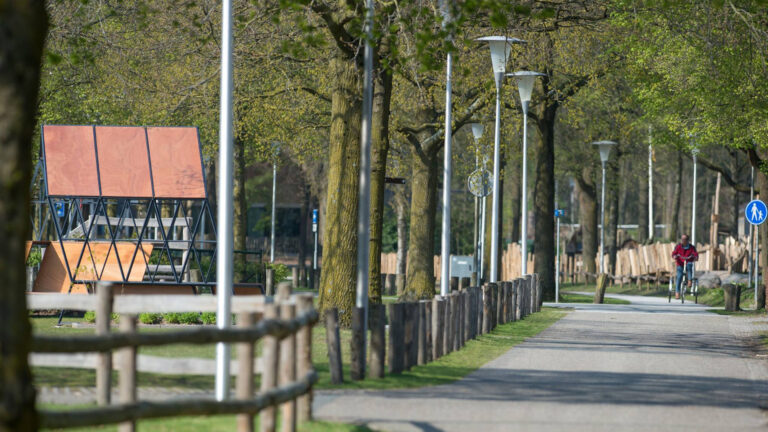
(476, 228)
(274, 213)
(224, 257)
(496, 168)
(751, 232)
(602, 223)
(693, 204)
(557, 264)
(445, 249)
(314, 231)
(650, 185)
(757, 254)
(483, 206)
(364, 198)
(524, 198)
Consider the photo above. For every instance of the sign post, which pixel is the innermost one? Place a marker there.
(756, 213)
(558, 214)
(314, 231)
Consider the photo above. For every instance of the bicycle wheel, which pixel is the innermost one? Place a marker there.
(669, 297)
(683, 288)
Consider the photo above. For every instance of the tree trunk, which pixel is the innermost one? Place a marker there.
(674, 230)
(761, 187)
(544, 200)
(380, 148)
(642, 207)
(588, 219)
(401, 204)
(612, 218)
(420, 278)
(24, 25)
(210, 189)
(499, 231)
(512, 177)
(337, 284)
(240, 208)
(303, 232)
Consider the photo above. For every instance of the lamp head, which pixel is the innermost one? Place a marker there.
(525, 82)
(605, 149)
(500, 48)
(477, 130)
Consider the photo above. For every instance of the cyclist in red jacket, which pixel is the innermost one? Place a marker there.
(684, 254)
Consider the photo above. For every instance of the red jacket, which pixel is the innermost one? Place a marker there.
(680, 253)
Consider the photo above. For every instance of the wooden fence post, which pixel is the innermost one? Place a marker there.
(467, 315)
(288, 368)
(357, 359)
(448, 325)
(269, 363)
(479, 310)
(395, 353)
(421, 352)
(487, 291)
(413, 348)
(126, 359)
(244, 383)
(333, 341)
(537, 287)
(519, 299)
(513, 300)
(494, 304)
(503, 291)
(378, 341)
(437, 328)
(304, 358)
(104, 362)
(269, 284)
(408, 335)
(428, 326)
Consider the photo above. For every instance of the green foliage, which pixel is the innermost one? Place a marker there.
(150, 318)
(172, 318)
(281, 272)
(35, 257)
(189, 318)
(90, 316)
(208, 318)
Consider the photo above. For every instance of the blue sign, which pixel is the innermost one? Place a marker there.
(756, 212)
(314, 216)
(59, 209)
(559, 213)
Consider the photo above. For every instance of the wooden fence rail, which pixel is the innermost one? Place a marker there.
(424, 331)
(286, 369)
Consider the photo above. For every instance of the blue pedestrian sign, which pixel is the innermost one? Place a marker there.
(559, 213)
(314, 216)
(756, 212)
(59, 206)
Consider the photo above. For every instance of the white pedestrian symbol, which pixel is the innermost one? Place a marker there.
(757, 215)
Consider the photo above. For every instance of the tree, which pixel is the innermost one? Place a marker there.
(24, 25)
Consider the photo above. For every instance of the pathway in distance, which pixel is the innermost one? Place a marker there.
(649, 365)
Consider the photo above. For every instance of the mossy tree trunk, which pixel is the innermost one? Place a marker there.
(420, 276)
(382, 97)
(544, 196)
(24, 25)
(337, 284)
(588, 218)
(239, 226)
(674, 223)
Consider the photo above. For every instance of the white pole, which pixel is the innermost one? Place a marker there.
(602, 224)
(314, 231)
(524, 198)
(225, 212)
(751, 232)
(482, 238)
(496, 198)
(364, 198)
(650, 185)
(274, 213)
(693, 205)
(557, 264)
(445, 249)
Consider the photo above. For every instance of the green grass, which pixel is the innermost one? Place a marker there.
(449, 368)
(716, 297)
(223, 423)
(581, 298)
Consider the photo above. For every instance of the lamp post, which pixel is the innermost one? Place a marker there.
(275, 154)
(477, 132)
(445, 248)
(650, 185)
(500, 48)
(525, 81)
(224, 259)
(694, 153)
(605, 152)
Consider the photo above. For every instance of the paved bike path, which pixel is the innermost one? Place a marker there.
(649, 365)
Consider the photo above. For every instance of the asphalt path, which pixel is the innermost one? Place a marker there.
(649, 365)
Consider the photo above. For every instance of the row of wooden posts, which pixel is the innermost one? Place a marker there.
(424, 331)
(283, 324)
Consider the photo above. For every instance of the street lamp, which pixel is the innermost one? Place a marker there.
(525, 82)
(275, 155)
(694, 153)
(605, 151)
(445, 248)
(500, 48)
(477, 132)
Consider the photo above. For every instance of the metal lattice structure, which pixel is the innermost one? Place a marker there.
(127, 204)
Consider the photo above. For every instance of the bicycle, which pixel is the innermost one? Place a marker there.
(684, 285)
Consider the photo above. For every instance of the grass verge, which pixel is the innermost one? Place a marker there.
(581, 298)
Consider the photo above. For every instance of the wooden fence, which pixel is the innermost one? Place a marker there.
(283, 324)
(424, 331)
